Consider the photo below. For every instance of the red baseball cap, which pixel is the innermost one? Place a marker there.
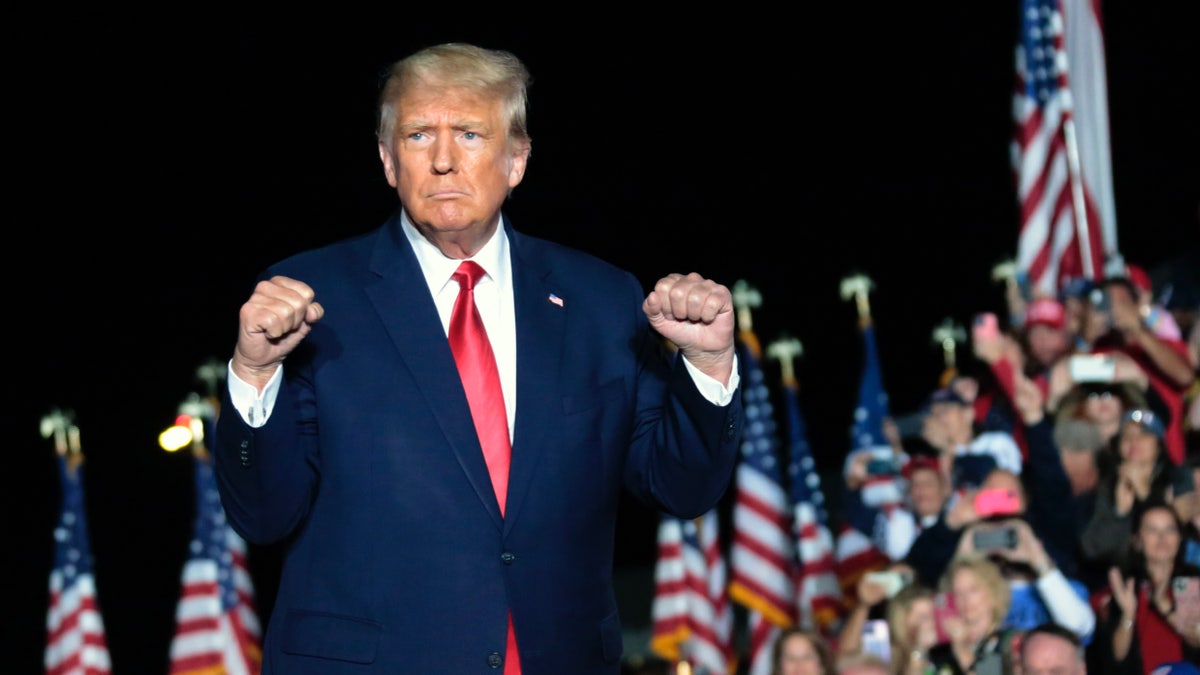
(1045, 312)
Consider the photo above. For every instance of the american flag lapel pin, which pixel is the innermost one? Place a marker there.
(556, 300)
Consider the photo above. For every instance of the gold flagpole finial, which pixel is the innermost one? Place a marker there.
(947, 335)
(745, 298)
(859, 287)
(786, 350)
(60, 425)
(1005, 272)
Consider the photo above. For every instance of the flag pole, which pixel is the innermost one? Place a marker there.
(1077, 198)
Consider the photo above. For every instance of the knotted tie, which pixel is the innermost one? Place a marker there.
(481, 380)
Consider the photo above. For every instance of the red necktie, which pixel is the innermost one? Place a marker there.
(481, 380)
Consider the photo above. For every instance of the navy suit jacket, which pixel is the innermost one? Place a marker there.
(397, 559)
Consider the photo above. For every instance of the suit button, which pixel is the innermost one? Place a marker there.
(508, 557)
(494, 660)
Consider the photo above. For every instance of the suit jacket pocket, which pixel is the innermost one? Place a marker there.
(330, 636)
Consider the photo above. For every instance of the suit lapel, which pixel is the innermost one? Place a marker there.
(541, 325)
(401, 297)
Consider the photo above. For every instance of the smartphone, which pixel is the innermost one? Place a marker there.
(1092, 367)
(882, 467)
(986, 326)
(1186, 593)
(997, 502)
(892, 582)
(991, 538)
(876, 639)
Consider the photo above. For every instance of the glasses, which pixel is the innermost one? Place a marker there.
(1100, 396)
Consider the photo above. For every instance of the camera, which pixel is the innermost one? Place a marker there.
(989, 539)
(882, 467)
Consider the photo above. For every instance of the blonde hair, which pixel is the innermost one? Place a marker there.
(898, 609)
(492, 72)
(989, 575)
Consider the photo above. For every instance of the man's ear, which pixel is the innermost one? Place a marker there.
(389, 164)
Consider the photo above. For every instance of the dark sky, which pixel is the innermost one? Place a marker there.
(160, 169)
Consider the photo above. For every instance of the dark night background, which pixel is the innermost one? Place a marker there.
(155, 170)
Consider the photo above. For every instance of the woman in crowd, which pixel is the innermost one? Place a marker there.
(1142, 625)
(912, 629)
(1141, 472)
(800, 651)
(977, 638)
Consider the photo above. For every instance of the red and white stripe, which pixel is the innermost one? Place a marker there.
(76, 643)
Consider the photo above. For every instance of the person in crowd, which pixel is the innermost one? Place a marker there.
(965, 455)
(874, 594)
(1141, 472)
(1046, 337)
(1039, 589)
(976, 638)
(1141, 626)
(912, 628)
(802, 651)
(1050, 649)
(1114, 324)
(1102, 404)
(1154, 314)
(437, 418)
(1060, 483)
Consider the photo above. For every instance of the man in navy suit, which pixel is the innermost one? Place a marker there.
(347, 432)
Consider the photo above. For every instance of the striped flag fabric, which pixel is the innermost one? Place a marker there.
(217, 631)
(819, 595)
(858, 550)
(1060, 150)
(669, 609)
(76, 643)
(762, 551)
(691, 614)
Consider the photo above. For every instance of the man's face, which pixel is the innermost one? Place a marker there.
(450, 161)
(1050, 655)
(1047, 343)
(927, 491)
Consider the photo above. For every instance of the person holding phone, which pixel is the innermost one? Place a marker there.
(1142, 626)
(1114, 325)
(1039, 590)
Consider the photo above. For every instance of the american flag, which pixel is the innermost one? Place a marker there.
(857, 550)
(217, 631)
(75, 640)
(819, 596)
(762, 553)
(669, 610)
(692, 617)
(1060, 149)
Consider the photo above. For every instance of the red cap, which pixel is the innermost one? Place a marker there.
(1138, 277)
(1046, 312)
(919, 462)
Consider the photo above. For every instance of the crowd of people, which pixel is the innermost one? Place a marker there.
(1045, 517)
